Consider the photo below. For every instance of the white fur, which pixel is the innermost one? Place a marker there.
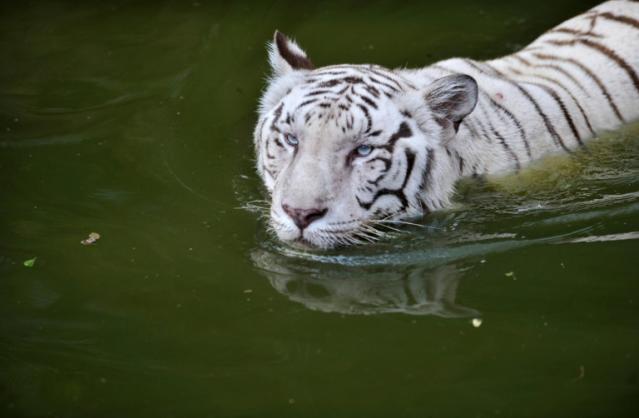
(317, 173)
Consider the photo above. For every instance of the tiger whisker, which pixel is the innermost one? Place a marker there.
(376, 232)
(363, 234)
(368, 238)
(400, 222)
(383, 225)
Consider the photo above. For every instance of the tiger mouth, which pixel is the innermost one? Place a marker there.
(314, 243)
(335, 239)
(301, 241)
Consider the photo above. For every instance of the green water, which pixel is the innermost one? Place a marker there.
(134, 120)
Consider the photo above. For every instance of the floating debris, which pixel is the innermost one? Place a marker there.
(30, 262)
(477, 322)
(248, 290)
(93, 237)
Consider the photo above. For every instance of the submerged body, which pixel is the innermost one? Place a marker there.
(345, 149)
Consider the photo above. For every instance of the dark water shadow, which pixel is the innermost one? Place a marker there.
(412, 290)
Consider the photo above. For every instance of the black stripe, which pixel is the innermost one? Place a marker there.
(590, 74)
(328, 83)
(386, 76)
(612, 55)
(424, 183)
(574, 99)
(621, 19)
(372, 90)
(398, 193)
(564, 110)
(514, 71)
(353, 80)
(329, 72)
(316, 92)
(426, 174)
(512, 117)
(562, 71)
(344, 80)
(460, 162)
(276, 117)
(574, 32)
(378, 178)
(500, 137)
(483, 130)
(369, 120)
(369, 101)
(305, 103)
(508, 113)
(383, 83)
(503, 142)
(278, 142)
(549, 126)
(308, 117)
(520, 59)
(403, 131)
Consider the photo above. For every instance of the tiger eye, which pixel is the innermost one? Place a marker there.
(291, 140)
(363, 150)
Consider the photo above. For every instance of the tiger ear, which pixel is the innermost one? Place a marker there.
(286, 56)
(450, 100)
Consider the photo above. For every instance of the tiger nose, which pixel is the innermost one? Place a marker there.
(304, 217)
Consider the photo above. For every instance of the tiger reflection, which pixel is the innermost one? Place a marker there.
(355, 291)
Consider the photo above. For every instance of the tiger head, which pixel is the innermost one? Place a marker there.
(344, 149)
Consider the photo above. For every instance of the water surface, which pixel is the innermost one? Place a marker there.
(134, 120)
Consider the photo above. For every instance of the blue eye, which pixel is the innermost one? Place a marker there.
(363, 150)
(291, 140)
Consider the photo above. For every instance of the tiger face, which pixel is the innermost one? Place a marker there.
(345, 149)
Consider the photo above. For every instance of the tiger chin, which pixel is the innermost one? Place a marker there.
(347, 150)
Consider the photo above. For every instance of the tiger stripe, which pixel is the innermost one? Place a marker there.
(569, 94)
(612, 55)
(591, 75)
(526, 94)
(554, 68)
(621, 19)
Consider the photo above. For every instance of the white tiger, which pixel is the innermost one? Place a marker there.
(345, 148)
